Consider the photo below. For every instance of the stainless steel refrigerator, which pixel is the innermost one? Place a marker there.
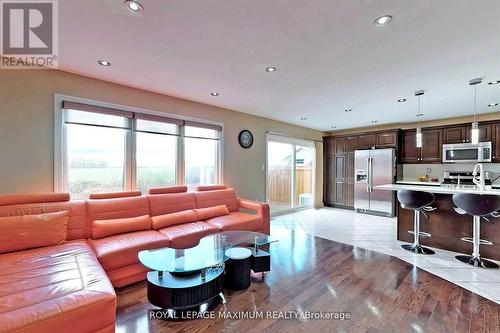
(371, 168)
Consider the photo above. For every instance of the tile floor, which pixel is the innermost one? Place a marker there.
(379, 234)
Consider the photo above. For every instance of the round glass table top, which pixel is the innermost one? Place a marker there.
(210, 252)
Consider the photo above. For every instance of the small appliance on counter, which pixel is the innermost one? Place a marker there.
(463, 179)
(374, 167)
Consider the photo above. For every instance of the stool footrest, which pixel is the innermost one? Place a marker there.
(481, 241)
(421, 234)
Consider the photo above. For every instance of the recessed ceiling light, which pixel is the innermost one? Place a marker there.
(133, 6)
(382, 20)
(214, 94)
(494, 82)
(374, 121)
(401, 100)
(104, 63)
(348, 110)
(493, 104)
(271, 69)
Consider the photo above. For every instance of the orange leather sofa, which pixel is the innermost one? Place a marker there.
(69, 287)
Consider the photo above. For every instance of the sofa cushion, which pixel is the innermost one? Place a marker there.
(166, 220)
(169, 189)
(202, 188)
(77, 214)
(106, 209)
(237, 221)
(215, 198)
(118, 251)
(187, 235)
(161, 204)
(59, 288)
(211, 212)
(16, 199)
(31, 231)
(103, 228)
(113, 195)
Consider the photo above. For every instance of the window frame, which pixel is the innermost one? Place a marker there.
(130, 181)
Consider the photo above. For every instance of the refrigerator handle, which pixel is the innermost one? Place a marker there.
(370, 174)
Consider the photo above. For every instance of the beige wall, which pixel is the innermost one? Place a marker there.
(440, 122)
(26, 128)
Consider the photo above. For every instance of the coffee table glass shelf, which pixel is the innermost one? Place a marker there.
(193, 278)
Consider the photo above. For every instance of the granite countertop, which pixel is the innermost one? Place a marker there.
(434, 189)
(417, 182)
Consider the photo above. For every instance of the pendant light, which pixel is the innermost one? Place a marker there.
(418, 139)
(474, 134)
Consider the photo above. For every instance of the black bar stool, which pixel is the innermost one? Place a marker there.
(419, 202)
(479, 206)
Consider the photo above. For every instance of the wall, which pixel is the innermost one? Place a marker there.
(26, 128)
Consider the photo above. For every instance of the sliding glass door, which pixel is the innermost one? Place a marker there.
(290, 173)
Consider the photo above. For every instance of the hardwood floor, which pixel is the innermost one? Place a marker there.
(382, 293)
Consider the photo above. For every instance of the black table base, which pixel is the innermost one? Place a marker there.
(181, 293)
(185, 293)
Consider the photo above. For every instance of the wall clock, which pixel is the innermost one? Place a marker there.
(245, 138)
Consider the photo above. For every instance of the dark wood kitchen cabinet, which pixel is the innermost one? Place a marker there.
(462, 134)
(339, 163)
(454, 134)
(339, 146)
(495, 136)
(340, 179)
(367, 141)
(430, 152)
(387, 140)
(484, 133)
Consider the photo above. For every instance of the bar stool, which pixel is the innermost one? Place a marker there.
(479, 206)
(419, 202)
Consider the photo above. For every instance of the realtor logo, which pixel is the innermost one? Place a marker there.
(29, 34)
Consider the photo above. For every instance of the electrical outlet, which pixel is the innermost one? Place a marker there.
(429, 171)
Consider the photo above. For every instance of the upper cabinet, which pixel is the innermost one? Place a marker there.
(431, 151)
(351, 144)
(484, 133)
(378, 140)
(462, 134)
(454, 134)
(329, 146)
(339, 146)
(431, 147)
(367, 141)
(388, 139)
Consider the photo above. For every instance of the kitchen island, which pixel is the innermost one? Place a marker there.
(444, 224)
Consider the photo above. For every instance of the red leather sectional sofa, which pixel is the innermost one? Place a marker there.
(68, 287)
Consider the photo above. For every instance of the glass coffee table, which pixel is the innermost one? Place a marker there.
(192, 279)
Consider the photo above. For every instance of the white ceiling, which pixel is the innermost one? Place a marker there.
(328, 53)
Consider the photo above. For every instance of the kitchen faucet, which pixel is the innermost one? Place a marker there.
(479, 181)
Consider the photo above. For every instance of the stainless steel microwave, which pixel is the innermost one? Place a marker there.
(467, 152)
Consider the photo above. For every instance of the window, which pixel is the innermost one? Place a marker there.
(201, 146)
(156, 154)
(110, 150)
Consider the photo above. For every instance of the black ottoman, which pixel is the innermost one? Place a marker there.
(238, 268)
